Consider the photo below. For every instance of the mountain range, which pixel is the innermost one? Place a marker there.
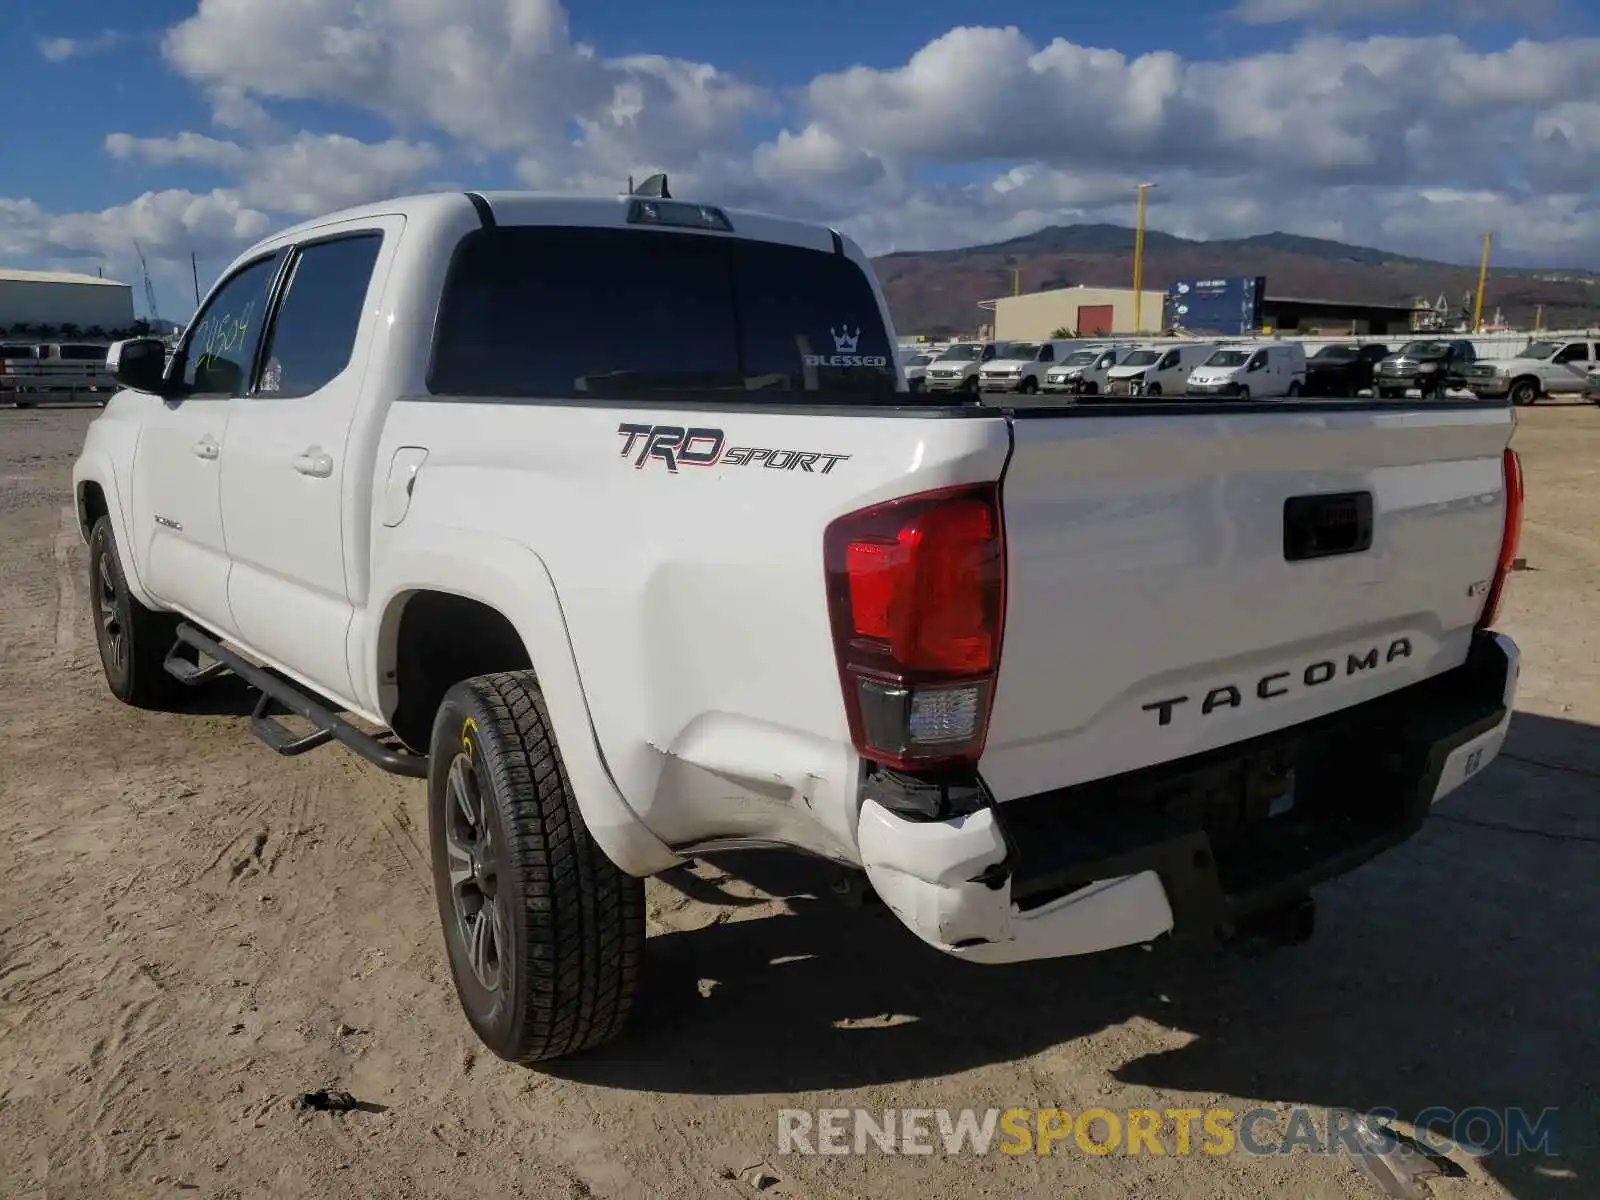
(937, 291)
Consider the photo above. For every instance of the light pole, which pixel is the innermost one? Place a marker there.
(1138, 261)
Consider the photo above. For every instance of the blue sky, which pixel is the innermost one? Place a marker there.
(1411, 124)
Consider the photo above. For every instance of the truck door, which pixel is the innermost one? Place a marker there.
(177, 509)
(1572, 367)
(287, 468)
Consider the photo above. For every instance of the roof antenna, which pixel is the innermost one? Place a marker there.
(655, 185)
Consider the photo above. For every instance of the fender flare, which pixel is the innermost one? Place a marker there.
(97, 469)
(514, 581)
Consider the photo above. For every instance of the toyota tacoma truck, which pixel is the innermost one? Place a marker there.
(614, 522)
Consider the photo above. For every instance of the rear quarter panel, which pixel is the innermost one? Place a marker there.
(693, 594)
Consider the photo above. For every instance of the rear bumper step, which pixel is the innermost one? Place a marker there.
(327, 726)
(1197, 846)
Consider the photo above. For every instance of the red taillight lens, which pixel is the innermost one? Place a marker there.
(1509, 540)
(916, 592)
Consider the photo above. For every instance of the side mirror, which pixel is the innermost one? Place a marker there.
(139, 364)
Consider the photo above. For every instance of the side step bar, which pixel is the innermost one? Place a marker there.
(327, 726)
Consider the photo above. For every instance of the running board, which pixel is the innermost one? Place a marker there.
(191, 674)
(327, 726)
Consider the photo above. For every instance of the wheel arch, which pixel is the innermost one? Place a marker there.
(507, 590)
(95, 495)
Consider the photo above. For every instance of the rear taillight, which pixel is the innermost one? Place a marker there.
(1509, 538)
(916, 593)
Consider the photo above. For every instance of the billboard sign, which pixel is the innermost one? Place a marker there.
(1215, 306)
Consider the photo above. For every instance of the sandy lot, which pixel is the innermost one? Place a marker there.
(193, 931)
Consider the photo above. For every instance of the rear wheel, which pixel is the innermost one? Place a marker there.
(543, 932)
(133, 639)
(1294, 389)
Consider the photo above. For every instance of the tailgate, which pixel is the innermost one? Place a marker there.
(1152, 609)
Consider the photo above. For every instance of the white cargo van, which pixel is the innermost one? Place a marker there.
(1252, 371)
(1157, 370)
(1084, 371)
(1024, 365)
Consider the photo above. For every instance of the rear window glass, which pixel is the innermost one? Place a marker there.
(564, 312)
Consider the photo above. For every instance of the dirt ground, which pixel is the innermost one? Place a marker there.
(193, 932)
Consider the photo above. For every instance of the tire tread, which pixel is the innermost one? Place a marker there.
(585, 916)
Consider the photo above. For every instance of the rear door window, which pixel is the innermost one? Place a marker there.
(577, 312)
(314, 332)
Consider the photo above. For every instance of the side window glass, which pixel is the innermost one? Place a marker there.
(1257, 362)
(221, 344)
(1047, 353)
(1168, 361)
(315, 330)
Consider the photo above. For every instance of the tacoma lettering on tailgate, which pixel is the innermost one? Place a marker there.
(1230, 696)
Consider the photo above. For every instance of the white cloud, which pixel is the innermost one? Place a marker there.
(1350, 12)
(305, 175)
(498, 76)
(175, 221)
(1414, 143)
(60, 49)
(1379, 110)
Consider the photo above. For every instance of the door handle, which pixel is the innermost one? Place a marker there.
(315, 462)
(207, 448)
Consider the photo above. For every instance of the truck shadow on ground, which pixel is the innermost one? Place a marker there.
(1458, 970)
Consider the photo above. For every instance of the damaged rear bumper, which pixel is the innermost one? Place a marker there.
(1123, 861)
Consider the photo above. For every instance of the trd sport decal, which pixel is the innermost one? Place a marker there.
(678, 446)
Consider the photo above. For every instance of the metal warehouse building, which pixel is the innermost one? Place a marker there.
(1090, 311)
(1287, 314)
(1093, 312)
(58, 298)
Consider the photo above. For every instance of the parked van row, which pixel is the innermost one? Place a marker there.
(1251, 369)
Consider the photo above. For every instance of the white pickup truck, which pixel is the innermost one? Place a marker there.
(1541, 368)
(614, 521)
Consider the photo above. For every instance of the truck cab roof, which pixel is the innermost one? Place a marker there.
(533, 208)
